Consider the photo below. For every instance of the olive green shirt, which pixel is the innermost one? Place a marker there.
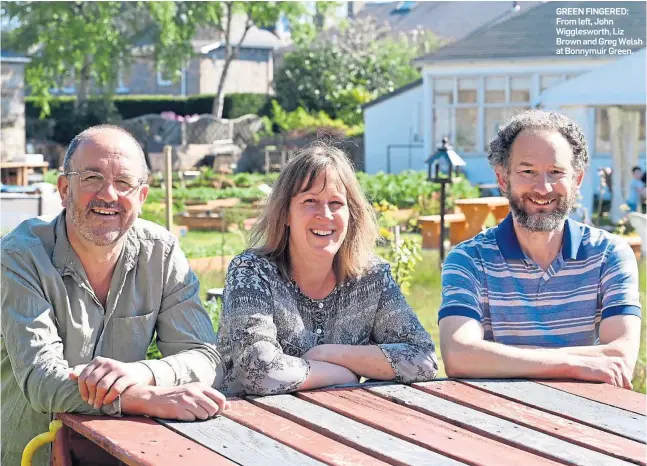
(52, 321)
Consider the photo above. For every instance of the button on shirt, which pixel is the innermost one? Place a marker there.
(52, 321)
(490, 279)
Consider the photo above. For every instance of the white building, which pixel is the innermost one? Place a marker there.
(472, 86)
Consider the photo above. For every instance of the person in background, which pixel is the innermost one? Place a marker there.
(540, 295)
(82, 296)
(309, 304)
(636, 190)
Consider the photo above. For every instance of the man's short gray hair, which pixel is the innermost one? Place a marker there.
(538, 120)
(87, 134)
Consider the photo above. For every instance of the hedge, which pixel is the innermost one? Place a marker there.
(131, 106)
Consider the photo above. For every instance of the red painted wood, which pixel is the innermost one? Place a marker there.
(421, 429)
(296, 436)
(141, 441)
(604, 393)
(542, 421)
(60, 455)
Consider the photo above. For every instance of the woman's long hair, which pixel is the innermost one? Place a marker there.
(270, 234)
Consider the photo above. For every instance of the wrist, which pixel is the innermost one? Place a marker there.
(136, 400)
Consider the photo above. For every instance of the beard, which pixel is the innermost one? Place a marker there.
(542, 221)
(95, 234)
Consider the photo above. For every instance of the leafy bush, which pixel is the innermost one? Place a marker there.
(203, 194)
(299, 123)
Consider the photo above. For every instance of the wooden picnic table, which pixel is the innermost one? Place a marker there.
(22, 170)
(444, 422)
(476, 211)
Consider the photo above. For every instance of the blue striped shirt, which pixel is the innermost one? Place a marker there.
(490, 279)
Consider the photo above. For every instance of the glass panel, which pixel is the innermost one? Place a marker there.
(467, 91)
(443, 91)
(641, 133)
(602, 129)
(495, 90)
(547, 81)
(466, 129)
(520, 89)
(494, 117)
(442, 125)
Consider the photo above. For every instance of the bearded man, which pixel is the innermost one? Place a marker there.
(541, 295)
(82, 296)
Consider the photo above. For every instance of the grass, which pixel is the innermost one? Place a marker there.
(198, 243)
(424, 296)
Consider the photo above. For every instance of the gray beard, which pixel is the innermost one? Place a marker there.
(541, 222)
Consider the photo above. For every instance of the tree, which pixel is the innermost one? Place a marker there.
(85, 41)
(344, 69)
(179, 21)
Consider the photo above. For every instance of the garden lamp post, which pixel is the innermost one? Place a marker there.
(440, 166)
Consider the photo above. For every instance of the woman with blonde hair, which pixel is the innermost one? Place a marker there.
(309, 304)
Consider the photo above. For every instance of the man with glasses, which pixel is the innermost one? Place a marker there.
(541, 295)
(82, 296)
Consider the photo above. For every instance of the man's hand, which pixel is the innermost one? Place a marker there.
(185, 402)
(608, 369)
(104, 379)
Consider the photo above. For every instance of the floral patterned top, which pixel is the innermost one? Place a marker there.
(267, 324)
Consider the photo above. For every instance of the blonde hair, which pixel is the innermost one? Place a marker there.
(271, 233)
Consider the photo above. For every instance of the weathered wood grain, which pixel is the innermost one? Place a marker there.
(239, 443)
(141, 441)
(352, 433)
(421, 429)
(494, 427)
(604, 393)
(598, 415)
(556, 426)
(296, 436)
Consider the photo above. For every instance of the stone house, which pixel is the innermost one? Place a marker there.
(12, 138)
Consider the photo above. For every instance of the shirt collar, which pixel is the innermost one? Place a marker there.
(510, 248)
(65, 257)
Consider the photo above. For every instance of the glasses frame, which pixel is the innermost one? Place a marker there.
(141, 182)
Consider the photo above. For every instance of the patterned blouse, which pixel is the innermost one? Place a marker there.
(268, 323)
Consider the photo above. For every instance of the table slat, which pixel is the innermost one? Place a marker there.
(421, 429)
(604, 393)
(542, 421)
(239, 443)
(296, 436)
(494, 427)
(598, 415)
(352, 433)
(141, 441)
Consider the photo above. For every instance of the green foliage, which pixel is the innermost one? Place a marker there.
(300, 119)
(338, 77)
(131, 106)
(158, 195)
(403, 258)
(51, 177)
(405, 189)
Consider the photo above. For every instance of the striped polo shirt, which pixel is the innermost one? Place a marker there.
(490, 279)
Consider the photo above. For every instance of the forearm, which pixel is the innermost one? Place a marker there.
(616, 349)
(324, 374)
(194, 365)
(482, 359)
(366, 361)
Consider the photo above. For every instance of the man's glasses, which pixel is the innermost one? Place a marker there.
(92, 182)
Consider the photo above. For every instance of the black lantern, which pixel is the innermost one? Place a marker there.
(440, 167)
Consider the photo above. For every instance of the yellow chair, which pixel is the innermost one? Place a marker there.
(40, 440)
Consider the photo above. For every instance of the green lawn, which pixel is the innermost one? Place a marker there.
(424, 296)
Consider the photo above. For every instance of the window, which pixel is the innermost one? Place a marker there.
(467, 89)
(164, 76)
(495, 90)
(443, 91)
(520, 88)
(466, 129)
(442, 125)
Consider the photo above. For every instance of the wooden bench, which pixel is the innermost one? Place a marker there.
(430, 229)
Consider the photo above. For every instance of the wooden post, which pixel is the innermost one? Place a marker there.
(442, 222)
(168, 154)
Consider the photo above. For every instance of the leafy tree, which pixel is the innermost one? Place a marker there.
(179, 21)
(342, 70)
(80, 39)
